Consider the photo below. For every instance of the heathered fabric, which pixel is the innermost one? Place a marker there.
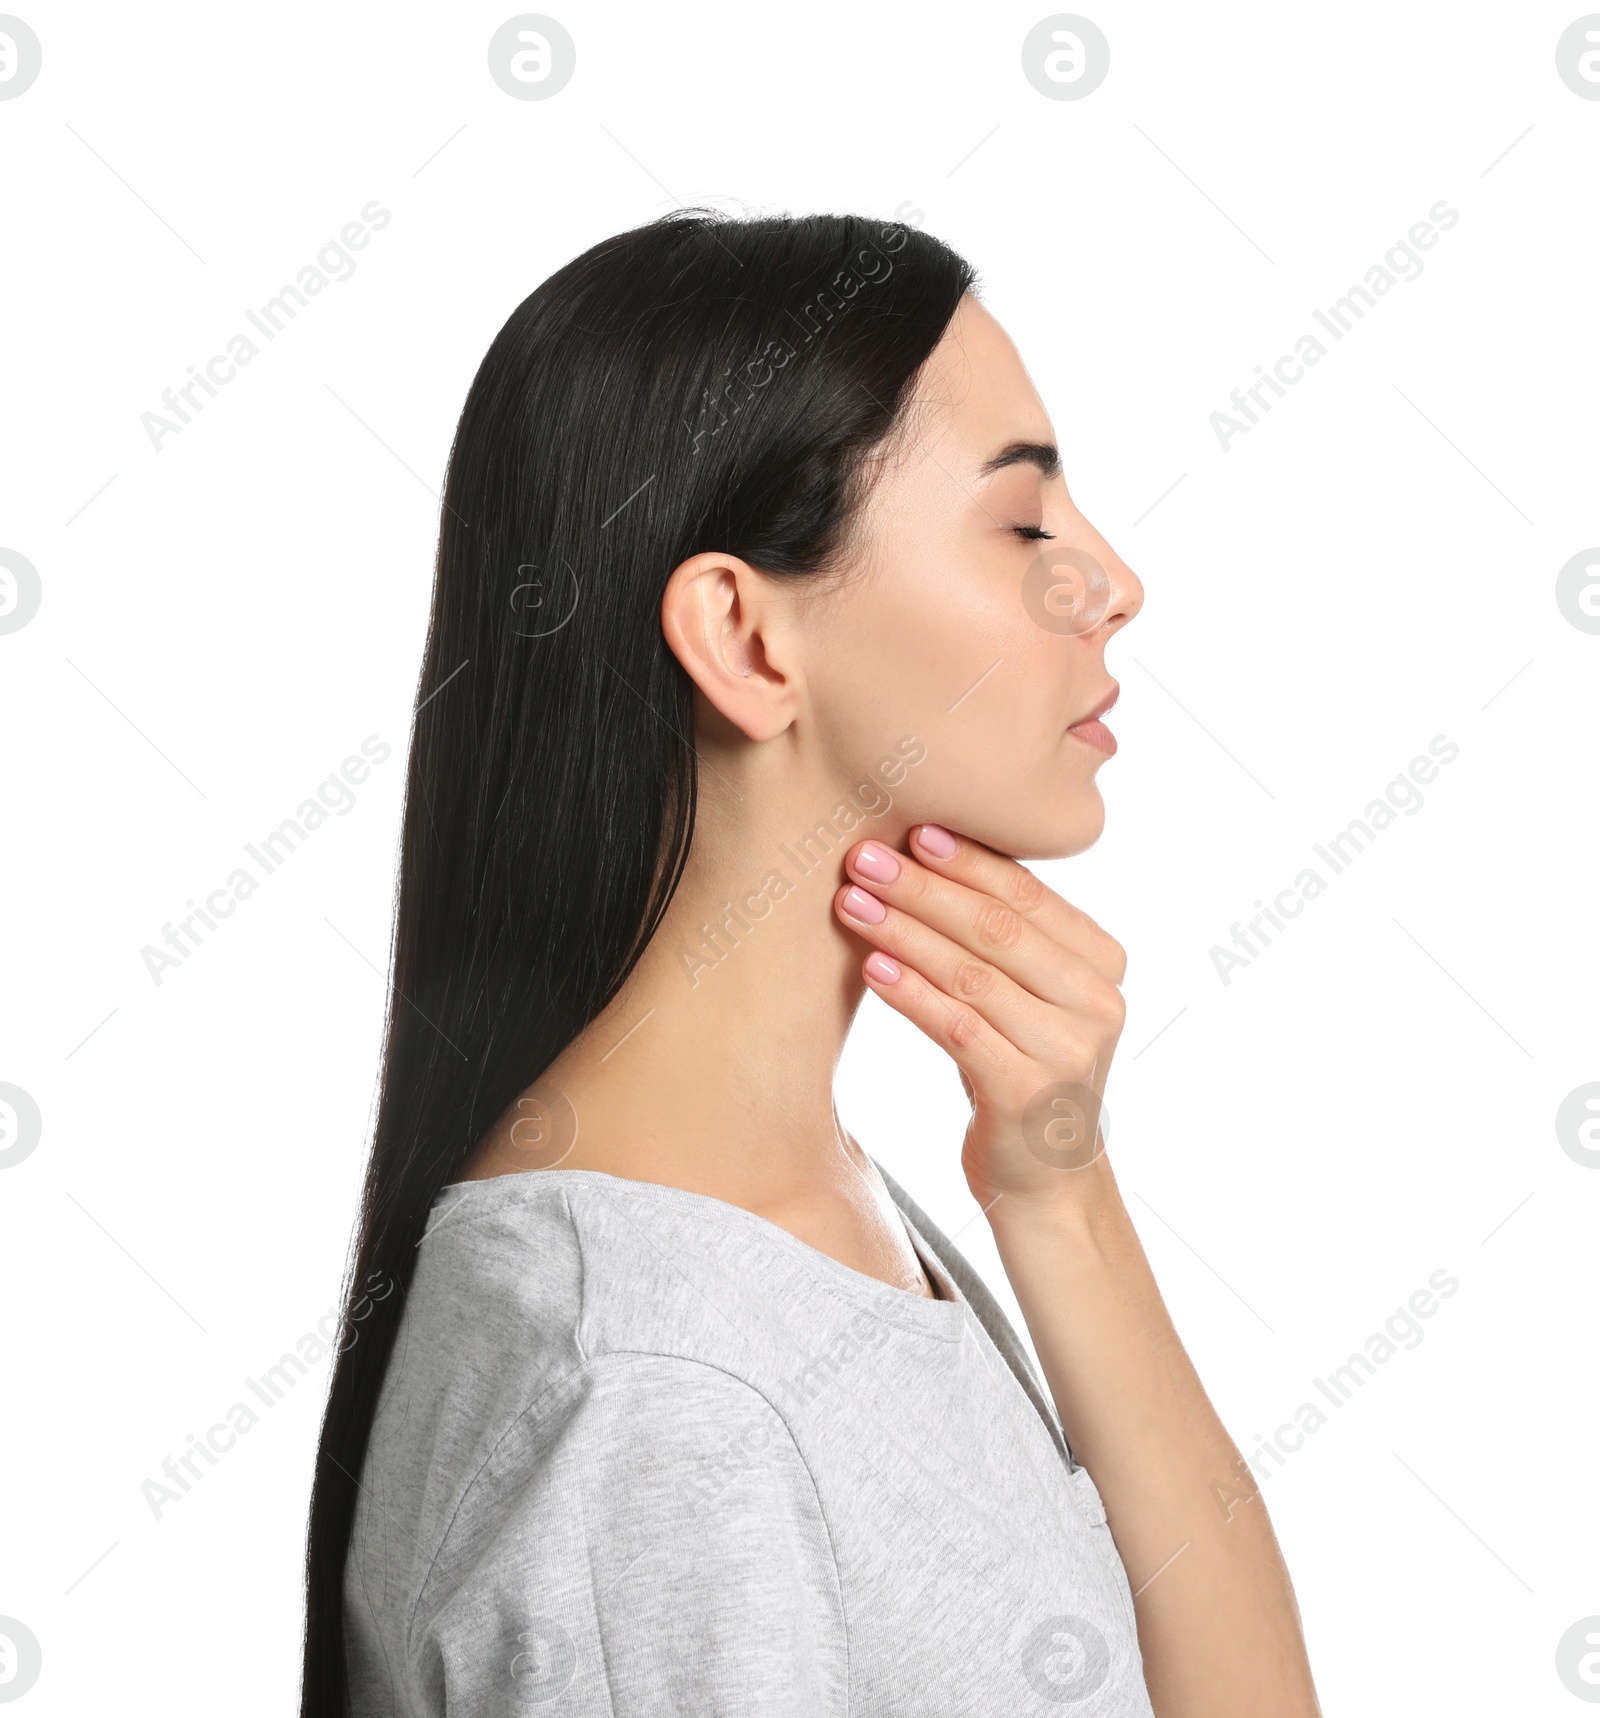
(643, 1452)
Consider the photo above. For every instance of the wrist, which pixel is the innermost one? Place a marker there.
(1076, 1206)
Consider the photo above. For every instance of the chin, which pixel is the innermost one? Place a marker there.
(1057, 832)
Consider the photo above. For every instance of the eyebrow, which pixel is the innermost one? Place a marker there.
(1042, 454)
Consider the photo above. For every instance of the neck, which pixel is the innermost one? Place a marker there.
(713, 1068)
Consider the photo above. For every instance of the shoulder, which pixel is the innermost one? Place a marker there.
(553, 1267)
(652, 1504)
(526, 1290)
(547, 1269)
(579, 1328)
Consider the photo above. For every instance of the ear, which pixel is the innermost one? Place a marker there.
(726, 623)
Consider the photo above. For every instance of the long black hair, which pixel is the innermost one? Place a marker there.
(699, 383)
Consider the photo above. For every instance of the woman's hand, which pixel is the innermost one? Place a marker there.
(1021, 990)
(1019, 987)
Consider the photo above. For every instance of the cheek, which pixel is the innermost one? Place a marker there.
(958, 665)
(958, 655)
(994, 725)
(901, 650)
(947, 625)
(944, 648)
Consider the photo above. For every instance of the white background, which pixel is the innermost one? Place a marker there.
(1374, 564)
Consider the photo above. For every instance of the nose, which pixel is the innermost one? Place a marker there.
(1126, 596)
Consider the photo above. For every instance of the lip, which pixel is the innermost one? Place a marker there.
(1092, 731)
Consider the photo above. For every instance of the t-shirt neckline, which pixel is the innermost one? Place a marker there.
(944, 1315)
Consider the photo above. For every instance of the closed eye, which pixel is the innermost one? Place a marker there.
(1032, 533)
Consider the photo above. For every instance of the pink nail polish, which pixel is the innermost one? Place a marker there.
(936, 840)
(882, 969)
(876, 863)
(860, 905)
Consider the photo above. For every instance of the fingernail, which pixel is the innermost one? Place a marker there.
(881, 968)
(877, 864)
(860, 905)
(933, 839)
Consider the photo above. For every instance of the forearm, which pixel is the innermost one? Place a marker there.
(1218, 1625)
(1023, 990)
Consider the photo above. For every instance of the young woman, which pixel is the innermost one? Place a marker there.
(766, 640)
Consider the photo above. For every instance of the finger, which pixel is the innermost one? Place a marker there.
(1043, 1030)
(964, 860)
(987, 1063)
(989, 928)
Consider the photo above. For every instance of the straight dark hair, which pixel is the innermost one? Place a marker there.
(698, 383)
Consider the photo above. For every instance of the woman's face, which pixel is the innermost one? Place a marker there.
(963, 625)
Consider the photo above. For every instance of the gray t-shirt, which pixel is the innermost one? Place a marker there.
(640, 1452)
